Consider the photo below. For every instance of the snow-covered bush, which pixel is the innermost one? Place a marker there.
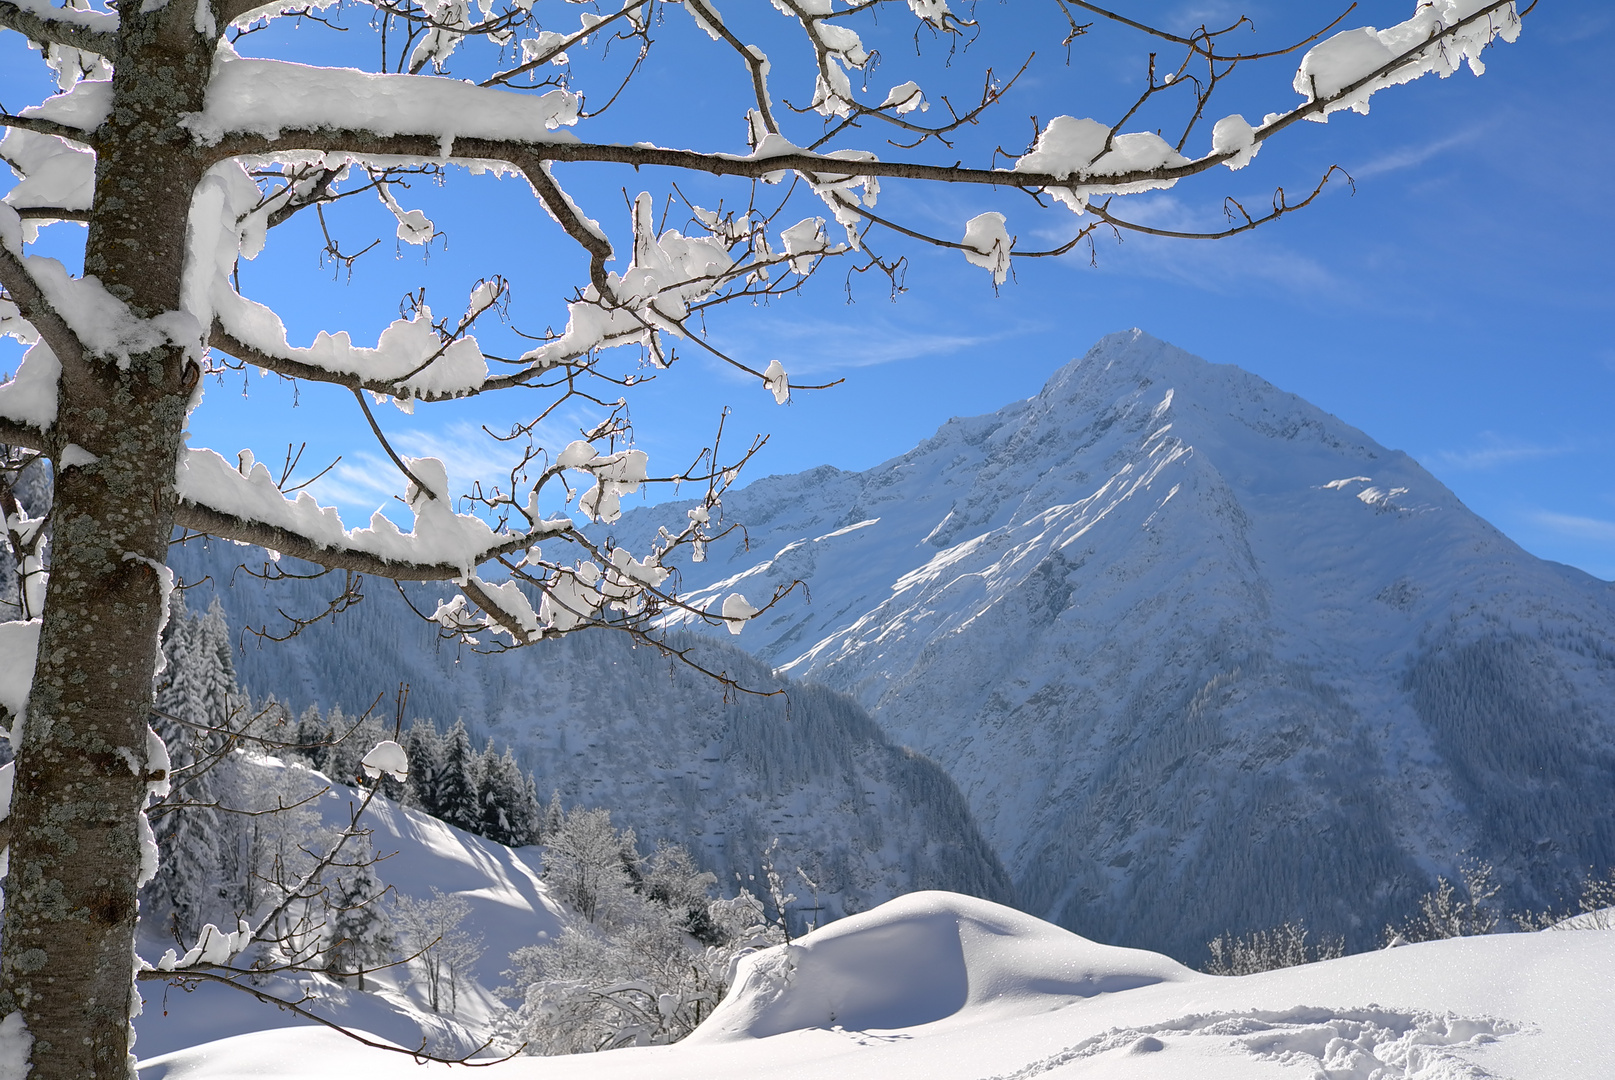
(1447, 912)
(645, 982)
(592, 867)
(442, 954)
(1598, 900)
(1267, 950)
(1595, 909)
(651, 954)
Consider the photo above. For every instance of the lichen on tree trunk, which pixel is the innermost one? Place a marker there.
(67, 958)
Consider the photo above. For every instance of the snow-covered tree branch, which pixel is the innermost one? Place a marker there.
(184, 148)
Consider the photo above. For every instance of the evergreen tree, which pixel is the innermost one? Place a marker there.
(507, 799)
(425, 749)
(220, 689)
(360, 937)
(313, 737)
(342, 756)
(554, 817)
(185, 892)
(533, 812)
(499, 788)
(457, 780)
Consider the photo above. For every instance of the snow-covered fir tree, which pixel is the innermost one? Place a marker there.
(456, 794)
(425, 749)
(359, 933)
(507, 811)
(193, 703)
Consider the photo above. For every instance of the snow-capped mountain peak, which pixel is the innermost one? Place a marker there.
(1166, 625)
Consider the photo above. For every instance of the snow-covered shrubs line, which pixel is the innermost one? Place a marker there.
(651, 954)
(1449, 912)
(1267, 950)
(1464, 909)
(1594, 911)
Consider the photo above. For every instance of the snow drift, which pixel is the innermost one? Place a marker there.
(918, 959)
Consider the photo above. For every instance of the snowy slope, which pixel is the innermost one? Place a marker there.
(943, 987)
(508, 908)
(658, 744)
(1200, 655)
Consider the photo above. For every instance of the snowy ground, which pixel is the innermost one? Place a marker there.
(509, 908)
(938, 985)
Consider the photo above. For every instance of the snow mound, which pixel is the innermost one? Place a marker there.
(921, 958)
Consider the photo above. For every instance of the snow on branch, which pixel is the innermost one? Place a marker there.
(56, 173)
(409, 360)
(71, 115)
(1344, 71)
(269, 97)
(244, 504)
(95, 31)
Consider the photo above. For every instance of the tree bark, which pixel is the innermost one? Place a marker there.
(70, 907)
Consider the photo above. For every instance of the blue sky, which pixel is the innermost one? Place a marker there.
(1457, 306)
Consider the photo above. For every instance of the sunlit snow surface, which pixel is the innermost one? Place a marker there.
(940, 985)
(508, 908)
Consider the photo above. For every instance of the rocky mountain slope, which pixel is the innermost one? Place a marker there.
(1200, 655)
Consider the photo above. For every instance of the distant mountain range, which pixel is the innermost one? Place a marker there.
(1200, 655)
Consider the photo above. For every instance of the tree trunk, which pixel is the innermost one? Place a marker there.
(76, 855)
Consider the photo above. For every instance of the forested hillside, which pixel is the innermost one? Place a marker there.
(672, 753)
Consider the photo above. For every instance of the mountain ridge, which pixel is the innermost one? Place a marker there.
(1167, 626)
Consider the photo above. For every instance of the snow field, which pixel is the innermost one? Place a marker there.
(942, 986)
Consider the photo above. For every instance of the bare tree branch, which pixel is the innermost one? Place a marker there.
(47, 127)
(195, 975)
(822, 167)
(52, 213)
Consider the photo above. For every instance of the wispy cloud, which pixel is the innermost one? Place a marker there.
(817, 347)
(1573, 525)
(368, 479)
(1408, 157)
(1494, 451)
(1221, 268)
